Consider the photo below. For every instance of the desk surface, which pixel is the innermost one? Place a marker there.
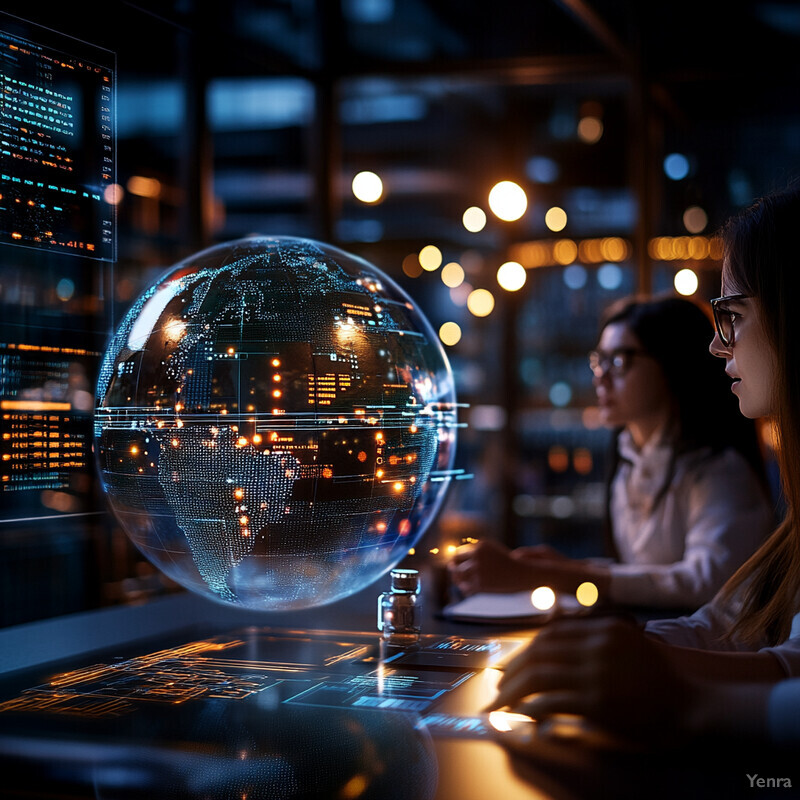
(186, 698)
(183, 698)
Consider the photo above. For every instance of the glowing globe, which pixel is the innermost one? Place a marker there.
(275, 423)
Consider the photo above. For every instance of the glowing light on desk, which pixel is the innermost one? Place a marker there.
(587, 594)
(543, 598)
(501, 720)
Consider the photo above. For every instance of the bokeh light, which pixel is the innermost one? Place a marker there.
(556, 219)
(543, 598)
(452, 274)
(480, 302)
(511, 276)
(590, 130)
(695, 219)
(450, 333)
(65, 288)
(587, 594)
(560, 394)
(542, 169)
(411, 266)
(508, 201)
(609, 276)
(575, 276)
(113, 194)
(430, 258)
(685, 282)
(474, 219)
(367, 187)
(676, 166)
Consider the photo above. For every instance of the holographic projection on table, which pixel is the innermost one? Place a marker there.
(275, 423)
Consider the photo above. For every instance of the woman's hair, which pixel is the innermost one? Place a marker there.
(760, 260)
(676, 332)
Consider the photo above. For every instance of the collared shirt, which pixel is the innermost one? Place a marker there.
(682, 524)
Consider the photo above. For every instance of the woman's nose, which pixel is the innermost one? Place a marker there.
(717, 348)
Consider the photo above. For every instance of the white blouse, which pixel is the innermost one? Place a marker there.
(677, 551)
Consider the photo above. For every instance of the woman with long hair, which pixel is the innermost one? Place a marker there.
(713, 670)
(687, 502)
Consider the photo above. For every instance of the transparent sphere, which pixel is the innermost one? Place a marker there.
(275, 423)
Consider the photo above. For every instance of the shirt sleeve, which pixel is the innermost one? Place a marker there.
(703, 630)
(726, 517)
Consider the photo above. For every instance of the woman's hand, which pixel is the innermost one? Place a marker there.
(604, 669)
(489, 566)
(538, 552)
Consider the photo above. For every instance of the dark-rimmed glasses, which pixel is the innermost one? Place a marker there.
(724, 317)
(616, 362)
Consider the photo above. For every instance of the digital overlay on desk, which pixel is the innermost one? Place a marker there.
(267, 667)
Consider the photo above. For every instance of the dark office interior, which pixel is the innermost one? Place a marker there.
(631, 130)
(644, 128)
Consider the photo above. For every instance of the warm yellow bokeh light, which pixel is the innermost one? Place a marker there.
(508, 200)
(367, 187)
(411, 266)
(474, 219)
(144, 187)
(556, 219)
(543, 598)
(511, 276)
(450, 333)
(590, 130)
(686, 282)
(452, 274)
(695, 219)
(430, 258)
(480, 302)
(565, 251)
(587, 594)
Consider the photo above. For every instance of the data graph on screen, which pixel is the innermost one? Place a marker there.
(57, 145)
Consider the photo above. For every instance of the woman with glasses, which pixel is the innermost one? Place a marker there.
(687, 502)
(721, 669)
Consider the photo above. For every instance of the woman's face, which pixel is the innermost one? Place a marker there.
(750, 361)
(635, 396)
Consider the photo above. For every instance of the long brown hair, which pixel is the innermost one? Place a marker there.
(760, 251)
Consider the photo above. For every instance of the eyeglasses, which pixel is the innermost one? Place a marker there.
(724, 318)
(616, 363)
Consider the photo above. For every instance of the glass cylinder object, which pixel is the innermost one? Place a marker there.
(400, 609)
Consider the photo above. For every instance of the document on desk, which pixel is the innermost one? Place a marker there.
(505, 608)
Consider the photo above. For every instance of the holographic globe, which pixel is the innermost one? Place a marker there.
(275, 423)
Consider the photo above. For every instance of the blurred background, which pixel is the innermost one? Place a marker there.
(514, 166)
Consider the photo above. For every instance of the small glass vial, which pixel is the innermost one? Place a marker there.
(400, 610)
